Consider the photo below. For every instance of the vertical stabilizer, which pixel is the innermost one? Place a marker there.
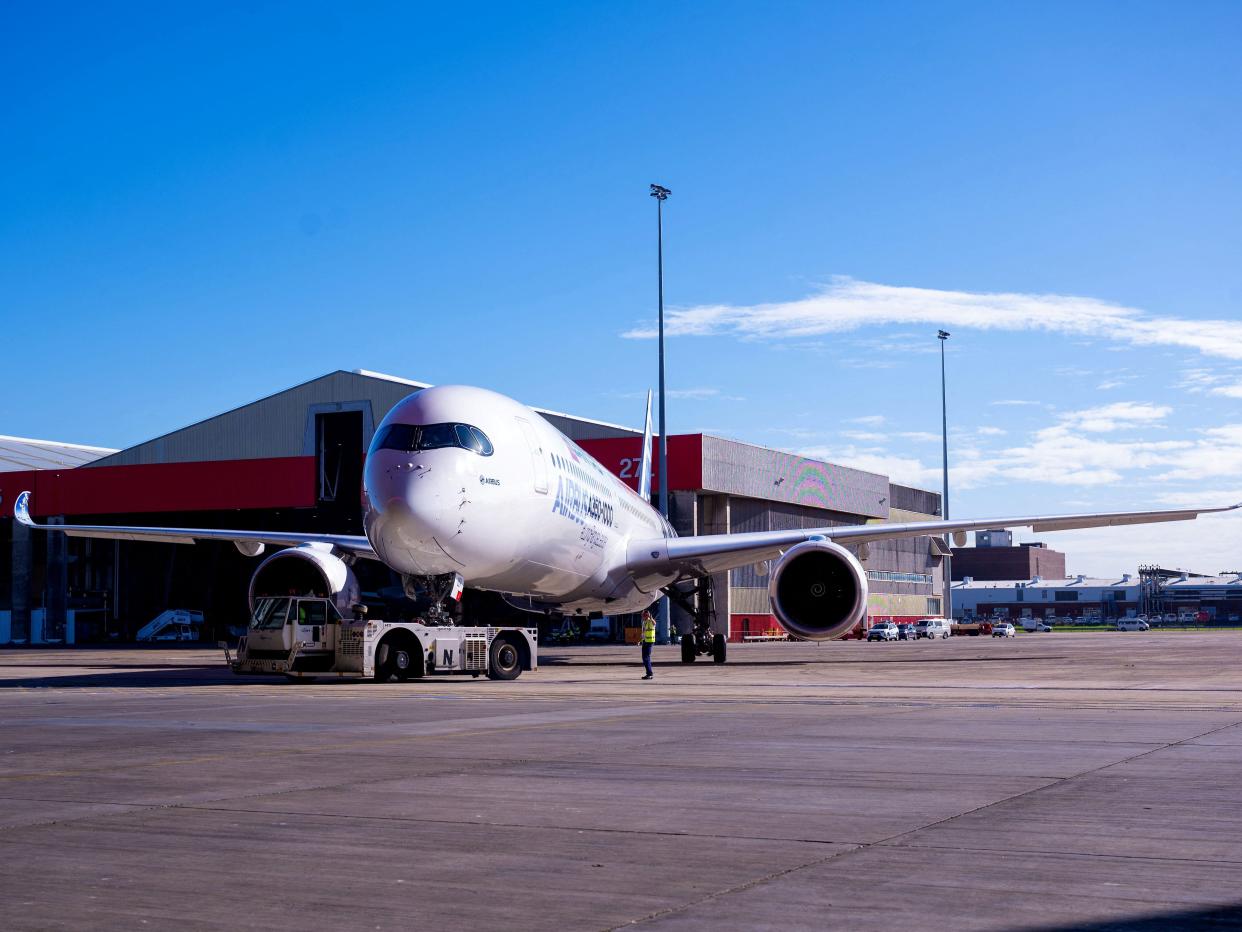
(644, 469)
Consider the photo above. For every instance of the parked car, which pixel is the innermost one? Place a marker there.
(932, 628)
(884, 631)
(905, 632)
(1003, 630)
(1132, 624)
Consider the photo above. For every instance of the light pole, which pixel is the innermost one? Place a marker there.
(942, 336)
(661, 193)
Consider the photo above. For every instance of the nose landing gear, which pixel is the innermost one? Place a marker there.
(442, 593)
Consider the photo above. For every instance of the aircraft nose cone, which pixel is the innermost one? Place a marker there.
(409, 521)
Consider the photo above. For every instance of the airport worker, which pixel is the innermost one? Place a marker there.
(648, 642)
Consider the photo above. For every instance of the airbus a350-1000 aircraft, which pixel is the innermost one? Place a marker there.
(466, 487)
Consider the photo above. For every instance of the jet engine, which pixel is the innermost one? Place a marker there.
(818, 590)
(311, 569)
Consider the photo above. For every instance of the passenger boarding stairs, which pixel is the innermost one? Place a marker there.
(175, 624)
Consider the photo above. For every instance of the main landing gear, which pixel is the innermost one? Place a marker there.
(701, 639)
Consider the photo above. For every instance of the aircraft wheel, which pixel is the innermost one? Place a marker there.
(504, 660)
(718, 648)
(688, 648)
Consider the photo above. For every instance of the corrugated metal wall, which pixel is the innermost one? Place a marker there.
(757, 472)
(917, 500)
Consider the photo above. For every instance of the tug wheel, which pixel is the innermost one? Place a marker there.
(504, 660)
(401, 661)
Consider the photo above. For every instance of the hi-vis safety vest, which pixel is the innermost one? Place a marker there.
(648, 631)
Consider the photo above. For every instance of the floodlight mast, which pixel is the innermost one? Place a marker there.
(942, 336)
(661, 193)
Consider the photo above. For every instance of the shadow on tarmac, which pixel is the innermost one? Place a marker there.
(1217, 919)
(555, 661)
(138, 679)
(163, 676)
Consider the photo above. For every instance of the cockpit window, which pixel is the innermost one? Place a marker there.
(434, 436)
(396, 437)
(411, 437)
(471, 438)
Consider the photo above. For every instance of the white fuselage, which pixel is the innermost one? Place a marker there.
(533, 516)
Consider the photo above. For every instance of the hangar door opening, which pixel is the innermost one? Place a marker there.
(338, 456)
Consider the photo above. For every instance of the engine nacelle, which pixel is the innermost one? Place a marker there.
(311, 569)
(818, 590)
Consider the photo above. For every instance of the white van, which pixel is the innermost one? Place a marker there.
(1133, 624)
(932, 628)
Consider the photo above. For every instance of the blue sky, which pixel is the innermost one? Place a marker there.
(203, 207)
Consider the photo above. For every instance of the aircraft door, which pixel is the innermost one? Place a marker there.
(538, 463)
(313, 625)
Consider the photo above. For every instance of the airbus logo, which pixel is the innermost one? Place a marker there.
(487, 480)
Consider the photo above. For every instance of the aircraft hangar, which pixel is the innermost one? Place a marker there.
(293, 461)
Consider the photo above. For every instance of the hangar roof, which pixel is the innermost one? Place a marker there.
(18, 454)
(1067, 582)
(1205, 582)
(283, 424)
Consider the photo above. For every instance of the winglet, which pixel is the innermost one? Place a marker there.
(644, 468)
(21, 509)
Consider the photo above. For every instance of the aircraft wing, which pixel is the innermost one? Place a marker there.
(244, 540)
(715, 553)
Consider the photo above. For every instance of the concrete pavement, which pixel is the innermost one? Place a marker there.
(1051, 781)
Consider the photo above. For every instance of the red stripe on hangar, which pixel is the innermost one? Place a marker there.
(215, 485)
(621, 456)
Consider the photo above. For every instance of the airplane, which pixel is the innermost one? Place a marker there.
(465, 487)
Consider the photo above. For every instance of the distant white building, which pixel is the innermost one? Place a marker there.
(1072, 597)
(1217, 597)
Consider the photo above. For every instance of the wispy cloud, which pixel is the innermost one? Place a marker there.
(686, 394)
(1199, 381)
(1118, 416)
(872, 419)
(1088, 448)
(846, 304)
(701, 394)
(1116, 379)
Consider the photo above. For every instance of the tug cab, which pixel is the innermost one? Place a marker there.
(280, 623)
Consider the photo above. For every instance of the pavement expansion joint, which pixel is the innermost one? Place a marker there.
(1068, 855)
(893, 841)
(735, 888)
(524, 826)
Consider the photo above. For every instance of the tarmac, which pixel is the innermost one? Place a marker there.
(1051, 781)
